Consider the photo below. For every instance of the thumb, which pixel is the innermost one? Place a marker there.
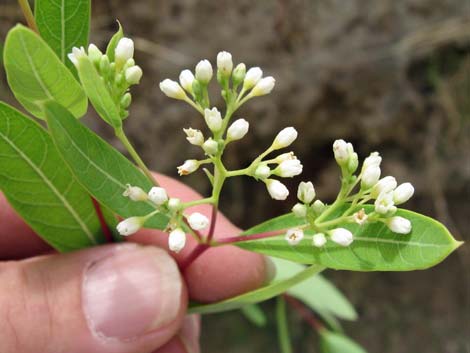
(109, 299)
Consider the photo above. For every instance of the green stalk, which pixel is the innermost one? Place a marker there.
(282, 327)
(28, 14)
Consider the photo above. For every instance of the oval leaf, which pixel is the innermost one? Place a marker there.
(375, 247)
(41, 188)
(63, 25)
(102, 170)
(333, 342)
(36, 75)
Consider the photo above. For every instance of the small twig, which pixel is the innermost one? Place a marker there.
(306, 314)
(28, 15)
(240, 238)
(198, 251)
(210, 235)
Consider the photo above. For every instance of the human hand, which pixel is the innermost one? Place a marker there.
(115, 298)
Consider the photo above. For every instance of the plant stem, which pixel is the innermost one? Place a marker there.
(28, 15)
(304, 312)
(241, 238)
(127, 144)
(282, 326)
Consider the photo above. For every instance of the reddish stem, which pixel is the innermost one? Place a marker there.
(210, 235)
(304, 312)
(104, 226)
(198, 250)
(240, 238)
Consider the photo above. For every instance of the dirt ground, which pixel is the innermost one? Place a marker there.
(392, 76)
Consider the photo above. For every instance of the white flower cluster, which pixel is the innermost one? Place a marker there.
(158, 197)
(119, 74)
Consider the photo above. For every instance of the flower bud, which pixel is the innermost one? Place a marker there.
(130, 225)
(174, 204)
(213, 119)
(252, 77)
(343, 151)
(318, 207)
(237, 130)
(370, 176)
(373, 160)
(198, 221)
(188, 167)
(264, 86)
(294, 236)
(384, 203)
(105, 66)
(353, 162)
(177, 240)
(384, 185)
(133, 75)
(172, 89)
(403, 193)
(284, 138)
(399, 225)
(238, 74)
(299, 210)
(319, 240)
(126, 100)
(263, 171)
(276, 189)
(94, 54)
(204, 72)
(289, 168)
(224, 63)
(211, 147)
(135, 193)
(306, 192)
(158, 195)
(285, 157)
(341, 236)
(186, 80)
(129, 63)
(76, 54)
(124, 51)
(195, 137)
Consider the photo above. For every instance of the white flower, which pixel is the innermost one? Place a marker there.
(299, 210)
(189, 166)
(373, 160)
(94, 53)
(384, 185)
(285, 157)
(195, 137)
(186, 80)
(284, 138)
(158, 195)
(343, 151)
(306, 192)
(294, 236)
(172, 89)
(224, 63)
(360, 217)
(210, 147)
(318, 207)
(319, 240)
(237, 130)
(263, 171)
(124, 50)
(289, 169)
(263, 87)
(130, 225)
(204, 71)
(252, 77)
(213, 119)
(399, 225)
(370, 176)
(174, 204)
(384, 203)
(276, 189)
(135, 193)
(341, 236)
(198, 221)
(133, 75)
(76, 54)
(177, 240)
(403, 193)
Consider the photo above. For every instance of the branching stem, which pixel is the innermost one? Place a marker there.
(28, 15)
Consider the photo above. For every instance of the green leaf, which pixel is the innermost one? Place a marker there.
(63, 24)
(278, 286)
(96, 90)
(333, 342)
(282, 326)
(113, 43)
(316, 292)
(102, 170)
(40, 187)
(375, 247)
(254, 314)
(36, 75)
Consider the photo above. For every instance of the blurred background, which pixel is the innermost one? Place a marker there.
(392, 76)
